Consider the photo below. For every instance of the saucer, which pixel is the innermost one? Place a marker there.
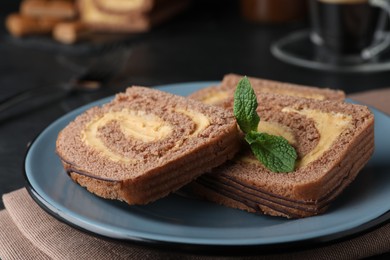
(297, 49)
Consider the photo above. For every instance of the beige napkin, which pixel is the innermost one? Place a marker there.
(28, 232)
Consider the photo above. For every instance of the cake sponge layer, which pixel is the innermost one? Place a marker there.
(146, 144)
(334, 140)
(223, 94)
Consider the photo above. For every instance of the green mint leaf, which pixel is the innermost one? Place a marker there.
(273, 151)
(245, 105)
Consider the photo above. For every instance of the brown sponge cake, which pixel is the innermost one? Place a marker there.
(334, 140)
(223, 94)
(146, 144)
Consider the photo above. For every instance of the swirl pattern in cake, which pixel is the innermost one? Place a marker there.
(146, 144)
(333, 139)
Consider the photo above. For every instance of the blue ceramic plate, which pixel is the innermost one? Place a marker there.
(186, 222)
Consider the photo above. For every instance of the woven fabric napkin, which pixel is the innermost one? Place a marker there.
(28, 232)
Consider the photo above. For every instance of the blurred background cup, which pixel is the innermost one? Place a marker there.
(349, 31)
(273, 11)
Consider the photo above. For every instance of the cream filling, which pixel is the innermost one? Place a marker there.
(272, 128)
(138, 125)
(293, 93)
(215, 97)
(277, 129)
(329, 126)
(219, 96)
(201, 121)
(133, 124)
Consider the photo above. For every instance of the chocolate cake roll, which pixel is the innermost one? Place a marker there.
(223, 94)
(146, 144)
(334, 140)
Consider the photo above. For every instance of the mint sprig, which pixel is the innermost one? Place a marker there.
(274, 152)
(245, 105)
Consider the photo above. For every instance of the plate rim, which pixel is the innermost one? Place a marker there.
(205, 248)
(244, 250)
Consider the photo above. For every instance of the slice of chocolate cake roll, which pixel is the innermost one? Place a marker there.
(146, 144)
(334, 140)
(223, 94)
